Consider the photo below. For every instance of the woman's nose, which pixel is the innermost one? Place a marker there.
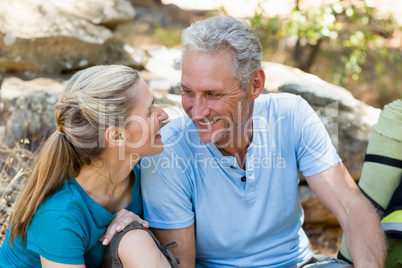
(163, 116)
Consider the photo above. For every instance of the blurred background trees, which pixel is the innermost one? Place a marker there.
(346, 42)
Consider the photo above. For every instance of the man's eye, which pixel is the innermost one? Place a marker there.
(186, 91)
(214, 95)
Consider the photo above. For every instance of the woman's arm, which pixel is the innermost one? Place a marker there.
(122, 219)
(49, 264)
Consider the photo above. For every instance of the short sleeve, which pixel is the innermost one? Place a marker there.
(57, 236)
(166, 191)
(314, 149)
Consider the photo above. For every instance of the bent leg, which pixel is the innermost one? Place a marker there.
(138, 249)
(329, 262)
(135, 246)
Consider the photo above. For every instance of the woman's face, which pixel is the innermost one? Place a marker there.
(142, 126)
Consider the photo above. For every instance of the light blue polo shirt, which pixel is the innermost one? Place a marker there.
(243, 218)
(66, 229)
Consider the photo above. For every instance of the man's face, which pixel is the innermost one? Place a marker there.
(212, 98)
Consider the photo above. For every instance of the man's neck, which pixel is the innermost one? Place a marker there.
(237, 147)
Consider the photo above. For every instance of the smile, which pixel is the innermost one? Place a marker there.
(207, 123)
(158, 134)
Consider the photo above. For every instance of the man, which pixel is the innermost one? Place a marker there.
(225, 186)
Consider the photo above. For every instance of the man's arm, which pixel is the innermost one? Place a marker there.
(185, 239)
(365, 241)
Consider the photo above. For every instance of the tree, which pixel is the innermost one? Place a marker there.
(351, 25)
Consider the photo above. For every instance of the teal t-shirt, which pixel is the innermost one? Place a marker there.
(66, 229)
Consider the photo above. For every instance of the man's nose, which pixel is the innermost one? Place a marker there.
(200, 108)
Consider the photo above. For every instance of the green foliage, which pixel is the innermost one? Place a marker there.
(350, 28)
(169, 37)
(312, 25)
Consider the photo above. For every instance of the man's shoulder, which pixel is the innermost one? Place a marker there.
(180, 133)
(277, 103)
(268, 97)
(175, 127)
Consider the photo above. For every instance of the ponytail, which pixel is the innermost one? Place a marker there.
(80, 122)
(56, 160)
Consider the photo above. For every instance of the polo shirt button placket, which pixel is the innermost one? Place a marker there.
(250, 189)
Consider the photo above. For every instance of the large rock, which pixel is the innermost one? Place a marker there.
(165, 65)
(348, 120)
(54, 36)
(110, 13)
(28, 110)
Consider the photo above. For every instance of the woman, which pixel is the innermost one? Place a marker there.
(85, 175)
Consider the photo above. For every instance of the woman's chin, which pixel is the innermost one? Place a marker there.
(157, 150)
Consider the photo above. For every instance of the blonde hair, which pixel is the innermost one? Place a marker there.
(92, 100)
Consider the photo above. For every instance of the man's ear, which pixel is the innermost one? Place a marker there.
(257, 83)
(114, 136)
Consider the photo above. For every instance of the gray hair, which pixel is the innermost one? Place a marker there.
(220, 33)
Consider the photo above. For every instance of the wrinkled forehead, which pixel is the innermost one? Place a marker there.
(204, 61)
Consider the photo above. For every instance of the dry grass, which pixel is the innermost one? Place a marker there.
(15, 167)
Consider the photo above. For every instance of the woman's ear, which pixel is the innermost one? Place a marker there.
(115, 137)
(257, 83)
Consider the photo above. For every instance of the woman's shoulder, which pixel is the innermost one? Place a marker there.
(65, 198)
(61, 210)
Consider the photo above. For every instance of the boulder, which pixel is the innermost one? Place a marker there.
(28, 110)
(165, 64)
(54, 36)
(348, 120)
(109, 13)
(13, 87)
